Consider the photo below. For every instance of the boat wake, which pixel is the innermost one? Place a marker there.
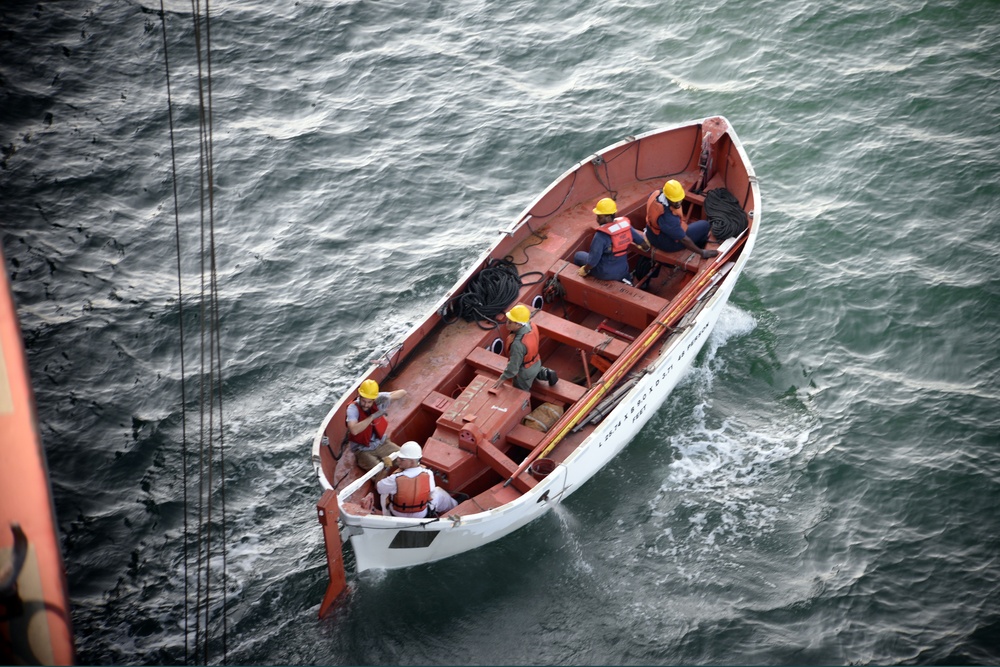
(733, 323)
(570, 526)
(728, 483)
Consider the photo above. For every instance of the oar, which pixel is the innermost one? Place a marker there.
(671, 314)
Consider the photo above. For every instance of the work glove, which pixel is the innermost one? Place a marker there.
(583, 272)
(387, 462)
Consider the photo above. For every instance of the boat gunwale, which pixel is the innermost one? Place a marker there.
(663, 348)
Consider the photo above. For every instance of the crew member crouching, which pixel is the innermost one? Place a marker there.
(411, 492)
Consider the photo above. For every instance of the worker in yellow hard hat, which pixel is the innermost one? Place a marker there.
(667, 227)
(367, 427)
(608, 255)
(525, 364)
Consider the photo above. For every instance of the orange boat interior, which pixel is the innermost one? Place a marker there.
(473, 436)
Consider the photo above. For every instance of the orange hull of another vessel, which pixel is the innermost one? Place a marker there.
(34, 607)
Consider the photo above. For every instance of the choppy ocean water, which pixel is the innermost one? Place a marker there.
(822, 489)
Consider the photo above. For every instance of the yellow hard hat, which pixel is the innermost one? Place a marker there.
(369, 390)
(606, 206)
(519, 314)
(673, 190)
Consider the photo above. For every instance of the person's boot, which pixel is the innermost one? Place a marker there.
(552, 377)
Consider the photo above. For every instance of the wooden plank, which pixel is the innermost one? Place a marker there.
(614, 300)
(685, 259)
(577, 335)
(524, 437)
(437, 402)
(563, 392)
(502, 464)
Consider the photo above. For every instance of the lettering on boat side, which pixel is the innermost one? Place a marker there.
(611, 432)
(642, 409)
(412, 539)
(638, 409)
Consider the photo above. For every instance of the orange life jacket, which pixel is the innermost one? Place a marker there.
(378, 427)
(412, 493)
(620, 231)
(654, 209)
(530, 340)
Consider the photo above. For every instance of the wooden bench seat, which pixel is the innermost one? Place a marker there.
(564, 392)
(577, 335)
(614, 300)
(685, 259)
(492, 498)
(524, 437)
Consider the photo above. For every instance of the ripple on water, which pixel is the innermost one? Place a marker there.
(817, 490)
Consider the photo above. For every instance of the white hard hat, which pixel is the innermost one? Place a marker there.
(410, 450)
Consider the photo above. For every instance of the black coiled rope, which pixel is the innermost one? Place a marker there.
(488, 294)
(724, 212)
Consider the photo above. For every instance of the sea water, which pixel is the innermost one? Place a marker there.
(822, 488)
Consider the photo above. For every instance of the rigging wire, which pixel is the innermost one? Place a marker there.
(180, 316)
(209, 539)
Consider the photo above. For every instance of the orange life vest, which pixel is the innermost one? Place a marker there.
(530, 340)
(654, 209)
(620, 231)
(378, 427)
(412, 493)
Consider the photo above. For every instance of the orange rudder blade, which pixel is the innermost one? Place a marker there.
(329, 511)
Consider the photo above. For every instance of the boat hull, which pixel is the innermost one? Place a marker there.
(634, 346)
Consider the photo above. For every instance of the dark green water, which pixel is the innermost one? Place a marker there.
(822, 489)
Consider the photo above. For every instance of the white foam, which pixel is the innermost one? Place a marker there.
(733, 322)
(725, 484)
(570, 524)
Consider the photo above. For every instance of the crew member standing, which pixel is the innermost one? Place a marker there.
(525, 364)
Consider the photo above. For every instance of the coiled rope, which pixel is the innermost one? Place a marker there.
(488, 294)
(725, 214)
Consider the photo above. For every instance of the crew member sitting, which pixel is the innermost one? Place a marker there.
(367, 426)
(666, 228)
(608, 258)
(411, 492)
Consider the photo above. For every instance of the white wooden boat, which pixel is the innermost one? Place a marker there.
(618, 350)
